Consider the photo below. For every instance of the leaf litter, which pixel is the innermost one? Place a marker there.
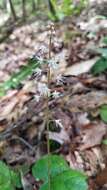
(22, 127)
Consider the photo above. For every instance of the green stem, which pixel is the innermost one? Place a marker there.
(48, 150)
(47, 118)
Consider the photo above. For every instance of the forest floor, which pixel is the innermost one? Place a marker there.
(22, 127)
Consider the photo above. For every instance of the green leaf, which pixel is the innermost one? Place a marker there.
(2, 91)
(52, 10)
(5, 178)
(61, 9)
(103, 113)
(15, 179)
(8, 178)
(24, 72)
(100, 66)
(102, 51)
(4, 171)
(57, 165)
(6, 186)
(20, 76)
(67, 180)
(104, 141)
(105, 40)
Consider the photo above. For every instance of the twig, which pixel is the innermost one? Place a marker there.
(23, 141)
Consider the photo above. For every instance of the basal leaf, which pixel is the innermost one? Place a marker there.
(67, 180)
(15, 179)
(103, 113)
(5, 178)
(8, 178)
(57, 165)
(100, 66)
(4, 172)
(6, 186)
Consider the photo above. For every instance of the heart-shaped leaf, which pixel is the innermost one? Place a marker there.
(67, 180)
(57, 165)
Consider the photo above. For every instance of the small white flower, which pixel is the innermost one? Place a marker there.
(55, 94)
(37, 98)
(52, 64)
(60, 79)
(58, 123)
(91, 35)
(40, 59)
(43, 89)
(38, 72)
(43, 49)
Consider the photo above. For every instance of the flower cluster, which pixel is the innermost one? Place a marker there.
(51, 29)
(43, 89)
(52, 64)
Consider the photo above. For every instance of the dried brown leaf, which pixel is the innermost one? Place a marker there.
(92, 135)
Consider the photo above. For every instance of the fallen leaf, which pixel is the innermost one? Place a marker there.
(59, 137)
(92, 135)
(101, 178)
(90, 100)
(81, 67)
(65, 130)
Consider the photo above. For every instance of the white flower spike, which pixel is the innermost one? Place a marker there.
(43, 89)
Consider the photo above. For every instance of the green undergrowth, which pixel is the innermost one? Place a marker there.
(62, 176)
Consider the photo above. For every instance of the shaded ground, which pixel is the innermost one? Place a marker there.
(22, 127)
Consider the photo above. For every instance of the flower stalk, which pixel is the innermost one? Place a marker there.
(47, 107)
